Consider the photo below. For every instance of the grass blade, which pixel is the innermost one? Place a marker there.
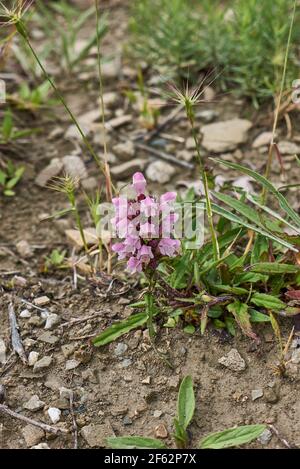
(232, 437)
(119, 328)
(134, 442)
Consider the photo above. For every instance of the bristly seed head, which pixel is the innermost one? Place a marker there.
(14, 15)
(66, 185)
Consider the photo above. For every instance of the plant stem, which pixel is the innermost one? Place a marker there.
(203, 173)
(276, 115)
(22, 30)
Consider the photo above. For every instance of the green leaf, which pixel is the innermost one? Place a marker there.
(240, 207)
(118, 329)
(267, 185)
(249, 277)
(3, 177)
(186, 402)
(241, 315)
(9, 193)
(239, 221)
(134, 442)
(189, 329)
(7, 125)
(267, 301)
(229, 289)
(274, 268)
(256, 316)
(232, 437)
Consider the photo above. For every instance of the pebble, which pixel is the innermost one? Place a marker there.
(262, 140)
(24, 249)
(48, 338)
(125, 150)
(33, 358)
(159, 171)
(32, 435)
(43, 363)
(19, 281)
(161, 431)
(65, 393)
(53, 169)
(126, 363)
(225, 136)
(72, 364)
(127, 420)
(40, 446)
(54, 414)
(120, 349)
(96, 435)
(34, 403)
(74, 167)
(271, 395)
(288, 148)
(256, 394)
(41, 301)
(118, 121)
(126, 169)
(233, 361)
(74, 236)
(53, 382)
(52, 320)
(296, 356)
(190, 143)
(185, 155)
(36, 321)
(208, 115)
(2, 352)
(147, 380)
(157, 414)
(68, 349)
(25, 314)
(265, 437)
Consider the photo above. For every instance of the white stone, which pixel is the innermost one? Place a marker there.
(54, 414)
(25, 314)
(225, 136)
(262, 140)
(288, 148)
(40, 446)
(33, 358)
(159, 171)
(72, 364)
(52, 320)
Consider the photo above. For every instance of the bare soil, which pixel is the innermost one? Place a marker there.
(134, 392)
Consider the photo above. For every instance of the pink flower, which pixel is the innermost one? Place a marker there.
(145, 226)
(139, 183)
(169, 247)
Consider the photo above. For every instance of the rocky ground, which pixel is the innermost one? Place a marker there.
(125, 388)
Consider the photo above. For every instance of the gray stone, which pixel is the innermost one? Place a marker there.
(53, 382)
(225, 136)
(96, 435)
(34, 403)
(68, 349)
(233, 361)
(208, 115)
(42, 364)
(32, 435)
(65, 393)
(2, 352)
(41, 301)
(288, 148)
(72, 364)
(52, 320)
(24, 249)
(48, 338)
(120, 349)
(296, 356)
(74, 167)
(49, 172)
(126, 363)
(118, 121)
(124, 151)
(256, 394)
(262, 140)
(265, 437)
(125, 170)
(159, 171)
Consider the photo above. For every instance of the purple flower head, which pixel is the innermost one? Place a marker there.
(144, 224)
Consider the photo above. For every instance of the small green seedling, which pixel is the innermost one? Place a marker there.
(9, 178)
(8, 133)
(55, 260)
(32, 99)
(185, 411)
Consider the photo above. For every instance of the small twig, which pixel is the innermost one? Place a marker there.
(283, 440)
(163, 156)
(75, 428)
(15, 336)
(43, 310)
(47, 428)
(83, 337)
(12, 272)
(79, 320)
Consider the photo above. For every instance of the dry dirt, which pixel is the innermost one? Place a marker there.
(134, 392)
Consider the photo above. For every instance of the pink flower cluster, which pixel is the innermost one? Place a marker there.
(145, 226)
